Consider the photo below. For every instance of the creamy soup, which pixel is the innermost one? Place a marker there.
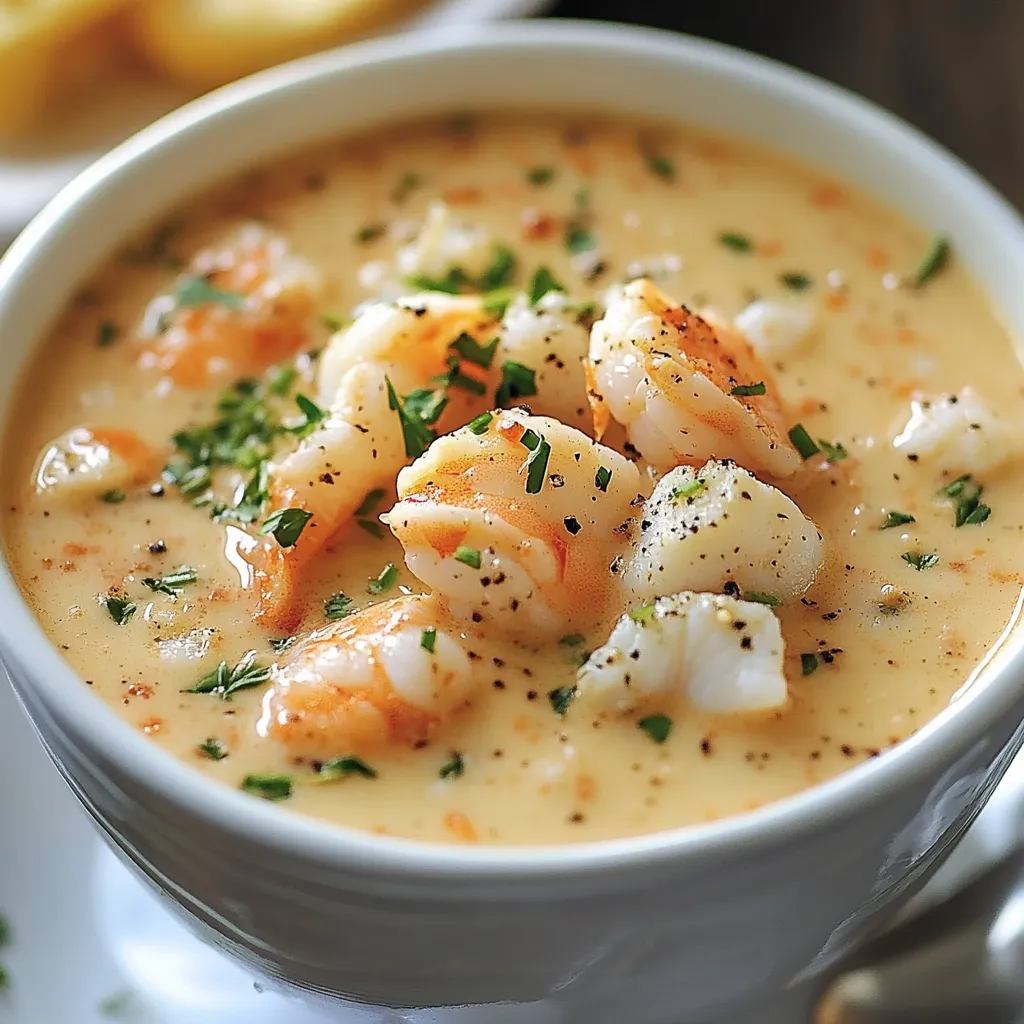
(797, 538)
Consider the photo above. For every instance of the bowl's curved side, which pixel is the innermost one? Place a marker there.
(324, 905)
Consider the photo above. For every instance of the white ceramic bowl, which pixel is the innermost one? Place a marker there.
(706, 923)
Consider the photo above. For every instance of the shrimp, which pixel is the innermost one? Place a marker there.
(702, 529)
(238, 308)
(369, 681)
(517, 525)
(360, 445)
(549, 339)
(85, 462)
(674, 381)
(724, 655)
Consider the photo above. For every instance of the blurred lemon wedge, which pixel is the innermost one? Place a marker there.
(40, 42)
(205, 43)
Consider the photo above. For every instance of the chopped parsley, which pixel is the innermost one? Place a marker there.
(428, 639)
(657, 727)
(644, 613)
(602, 478)
(689, 490)
(332, 322)
(467, 556)
(795, 281)
(579, 239)
(895, 518)
(370, 232)
(452, 283)
(536, 464)
(479, 424)
(212, 749)
(225, 681)
(517, 381)
(802, 441)
(194, 482)
(120, 608)
(453, 767)
(918, 560)
(337, 606)
(541, 283)
(934, 260)
(769, 599)
(197, 291)
(270, 787)
(341, 767)
(286, 524)
(417, 415)
(385, 581)
(370, 502)
(808, 663)
(372, 527)
(968, 509)
(473, 352)
(312, 414)
(834, 450)
(455, 378)
(744, 390)
(113, 497)
(280, 380)
(407, 184)
(573, 640)
(736, 242)
(501, 271)
(660, 166)
(497, 301)
(540, 175)
(560, 698)
(173, 583)
(107, 333)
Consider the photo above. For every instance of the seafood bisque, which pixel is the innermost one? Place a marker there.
(524, 479)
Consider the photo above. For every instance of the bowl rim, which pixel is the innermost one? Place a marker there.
(855, 791)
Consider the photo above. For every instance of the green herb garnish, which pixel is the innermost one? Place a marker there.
(225, 681)
(370, 502)
(660, 166)
(918, 560)
(120, 608)
(968, 510)
(173, 583)
(802, 441)
(333, 322)
(212, 749)
(372, 527)
(501, 271)
(657, 727)
(517, 381)
(536, 464)
(270, 787)
(479, 424)
(455, 378)
(541, 283)
(472, 351)
(282, 643)
(417, 415)
(453, 282)
(689, 490)
(769, 599)
(312, 414)
(579, 239)
(602, 478)
(370, 232)
(896, 519)
(560, 699)
(197, 291)
(644, 613)
(286, 524)
(467, 556)
(834, 450)
(738, 243)
(453, 767)
(114, 497)
(808, 663)
(498, 301)
(934, 260)
(107, 333)
(795, 281)
(573, 640)
(407, 184)
(385, 581)
(341, 767)
(745, 390)
(337, 606)
(428, 638)
(540, 175)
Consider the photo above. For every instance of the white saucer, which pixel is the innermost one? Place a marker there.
(34, 169)
(88, 945)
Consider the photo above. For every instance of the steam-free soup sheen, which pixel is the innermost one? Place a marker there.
(864, 315)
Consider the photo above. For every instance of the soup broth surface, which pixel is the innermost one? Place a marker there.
(895, 622)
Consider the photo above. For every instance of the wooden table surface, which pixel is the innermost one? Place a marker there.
(955, 68)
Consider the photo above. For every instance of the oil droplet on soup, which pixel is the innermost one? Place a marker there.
(194, 502)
